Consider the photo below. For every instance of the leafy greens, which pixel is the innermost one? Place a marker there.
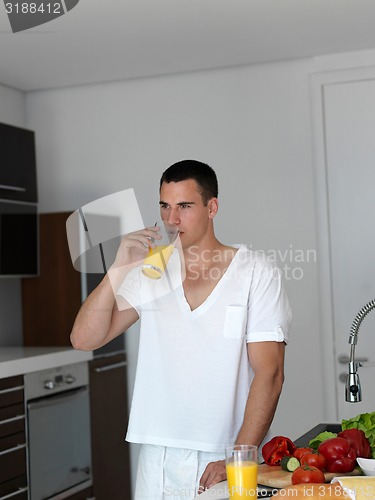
(323, 436)
(366, 423)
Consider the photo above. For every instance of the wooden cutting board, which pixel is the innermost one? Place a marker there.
(275, 477)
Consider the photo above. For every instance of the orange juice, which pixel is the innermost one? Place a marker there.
(242, 479)
(156, 261)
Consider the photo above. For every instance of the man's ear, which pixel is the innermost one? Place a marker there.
(213, 206)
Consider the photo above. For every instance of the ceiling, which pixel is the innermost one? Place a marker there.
(108, 40)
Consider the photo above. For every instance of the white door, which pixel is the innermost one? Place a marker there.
(349, 137)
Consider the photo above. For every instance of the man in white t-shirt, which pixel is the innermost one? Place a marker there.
(211, 356)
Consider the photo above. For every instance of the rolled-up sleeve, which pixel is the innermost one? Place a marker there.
(269, 312)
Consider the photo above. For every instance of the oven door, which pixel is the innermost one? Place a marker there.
(59, 442)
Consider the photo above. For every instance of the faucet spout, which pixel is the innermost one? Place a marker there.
(353, 393)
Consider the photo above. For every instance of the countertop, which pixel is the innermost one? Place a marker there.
(21, 360)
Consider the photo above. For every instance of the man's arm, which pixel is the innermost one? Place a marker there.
(100, 320)
(267, 362)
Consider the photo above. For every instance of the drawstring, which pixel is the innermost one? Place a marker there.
(162, 473)
(197, 478)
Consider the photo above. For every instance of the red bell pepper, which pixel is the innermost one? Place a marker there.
(277, 448)
(339, 454)
(358, 441)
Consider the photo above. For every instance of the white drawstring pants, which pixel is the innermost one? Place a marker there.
(166, 473)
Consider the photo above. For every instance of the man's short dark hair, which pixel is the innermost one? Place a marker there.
(202, 173)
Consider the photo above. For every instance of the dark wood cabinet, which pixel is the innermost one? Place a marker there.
(109, 419)
(51, 300)
(13, 467)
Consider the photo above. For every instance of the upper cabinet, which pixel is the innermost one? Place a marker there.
(18, 160)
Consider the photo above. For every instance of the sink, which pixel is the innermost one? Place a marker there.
(304, 440)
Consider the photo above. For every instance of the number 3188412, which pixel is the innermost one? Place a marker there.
(33, 8)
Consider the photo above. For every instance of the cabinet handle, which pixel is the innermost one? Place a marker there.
(11, 389)
(16, 448)
(13, 419)
(12, 188)
(18, 492)
(110, 367)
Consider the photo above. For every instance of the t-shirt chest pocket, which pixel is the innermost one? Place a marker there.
(235, 321)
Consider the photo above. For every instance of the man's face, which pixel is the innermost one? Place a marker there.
(181, 204)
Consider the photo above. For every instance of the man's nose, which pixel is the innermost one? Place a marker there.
(174, 216)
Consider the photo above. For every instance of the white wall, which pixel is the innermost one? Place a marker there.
(252, 124)
(12, 112)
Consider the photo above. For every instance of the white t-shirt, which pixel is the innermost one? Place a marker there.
(193, 374)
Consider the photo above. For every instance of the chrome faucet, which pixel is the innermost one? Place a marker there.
(353, 393)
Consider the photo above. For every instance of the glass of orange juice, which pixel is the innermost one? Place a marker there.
(242, 471)
(157, 257)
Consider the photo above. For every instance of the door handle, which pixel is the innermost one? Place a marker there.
(344, 359)
(15, 493)
(12, 188)
(113, 366)
(12, 389)
(13, 419)
(11, 450)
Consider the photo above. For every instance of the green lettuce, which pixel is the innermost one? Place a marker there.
(323, 436)
(366, 423)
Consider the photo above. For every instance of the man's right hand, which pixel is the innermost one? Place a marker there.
(134, 247)
(100, 320)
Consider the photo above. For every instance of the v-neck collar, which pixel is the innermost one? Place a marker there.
(193, 313)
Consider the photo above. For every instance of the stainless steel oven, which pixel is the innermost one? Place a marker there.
(58, 431)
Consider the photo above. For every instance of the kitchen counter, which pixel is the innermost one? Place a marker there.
(21, 360)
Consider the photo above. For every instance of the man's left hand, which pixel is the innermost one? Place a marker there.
(214, 473)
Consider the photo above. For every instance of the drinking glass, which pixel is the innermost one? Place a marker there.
(157, 258)
(242, 471)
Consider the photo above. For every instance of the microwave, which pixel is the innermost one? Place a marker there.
(18, 239)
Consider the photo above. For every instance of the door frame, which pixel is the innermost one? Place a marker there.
(318, 81)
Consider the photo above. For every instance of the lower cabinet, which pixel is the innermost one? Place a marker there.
(109, 418)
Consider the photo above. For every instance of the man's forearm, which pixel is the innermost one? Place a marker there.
(94, 317)
(260, 408)
(98, 316)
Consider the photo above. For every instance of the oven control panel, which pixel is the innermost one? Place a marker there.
(54, 380)
(59, 381)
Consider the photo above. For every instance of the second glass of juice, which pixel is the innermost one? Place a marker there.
(242, 471)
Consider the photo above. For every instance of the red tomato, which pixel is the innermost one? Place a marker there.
(301, 451)
(307, 474)
(315, 459)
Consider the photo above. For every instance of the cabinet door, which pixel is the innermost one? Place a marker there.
(51, 301)
(109, 416)
(18, 171)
